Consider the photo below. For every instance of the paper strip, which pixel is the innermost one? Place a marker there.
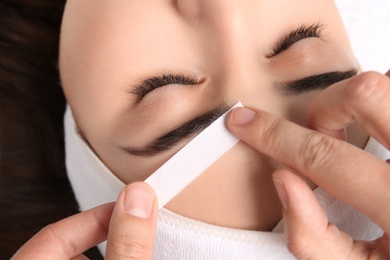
(192, 160)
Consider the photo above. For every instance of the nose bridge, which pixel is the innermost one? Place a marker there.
(228, 31)
(225, 24)
(202, 8)
(230, 46)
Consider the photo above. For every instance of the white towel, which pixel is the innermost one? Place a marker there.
(183, 238)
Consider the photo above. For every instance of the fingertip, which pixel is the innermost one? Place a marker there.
(302, 216)
(241, 116)
(302, 202)
(307, 230)
(278, 179)
(133, 223)
(138, 200)
(298, 196)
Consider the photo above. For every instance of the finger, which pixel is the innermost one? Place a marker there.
(363, 98)
(308, 233)
(341, 169)
(133, 223)
(70, 237)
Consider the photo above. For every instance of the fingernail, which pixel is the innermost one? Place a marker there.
(242, 116)
(138, 200)
(281, 190)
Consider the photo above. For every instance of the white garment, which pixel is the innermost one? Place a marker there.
(183, 238)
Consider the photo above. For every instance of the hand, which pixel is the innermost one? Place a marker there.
(128, 225)
(342, 170)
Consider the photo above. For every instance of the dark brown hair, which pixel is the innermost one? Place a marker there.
(34, 190)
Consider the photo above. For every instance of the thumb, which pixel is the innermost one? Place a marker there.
(308, 232)
(133, 223)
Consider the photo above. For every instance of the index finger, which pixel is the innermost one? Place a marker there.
(341, 169)
(363, 98)
(69, 237)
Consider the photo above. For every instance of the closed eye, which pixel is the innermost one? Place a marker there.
(301, 33)
(153, 83)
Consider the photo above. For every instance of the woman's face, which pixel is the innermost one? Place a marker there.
(137, 73)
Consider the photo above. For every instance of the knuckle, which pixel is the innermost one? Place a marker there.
(318, 151)
(130, 247)
(52, 234)
(297, 246)
(269, 131)
(368, 85)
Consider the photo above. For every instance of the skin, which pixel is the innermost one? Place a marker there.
(109, 47)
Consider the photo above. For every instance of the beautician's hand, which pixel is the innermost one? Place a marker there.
(128, 225)
(348, 173)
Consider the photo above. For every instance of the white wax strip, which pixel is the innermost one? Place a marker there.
(192, 160)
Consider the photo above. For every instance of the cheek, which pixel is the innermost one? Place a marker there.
(242, 177)
(241, 168)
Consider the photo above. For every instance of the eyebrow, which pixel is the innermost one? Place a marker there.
(187, 130)
(314, 82)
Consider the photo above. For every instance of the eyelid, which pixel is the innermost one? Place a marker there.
(155, 82)
(303, 32)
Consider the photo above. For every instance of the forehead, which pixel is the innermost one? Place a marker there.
(137, 16)
(170, 30)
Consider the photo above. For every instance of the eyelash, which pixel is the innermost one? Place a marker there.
(303, 32)
(166, 79)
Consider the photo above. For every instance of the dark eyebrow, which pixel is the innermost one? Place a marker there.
(188, 129)
(314, 82)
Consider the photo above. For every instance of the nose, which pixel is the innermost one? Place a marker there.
(194, 9)
(232, 35)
